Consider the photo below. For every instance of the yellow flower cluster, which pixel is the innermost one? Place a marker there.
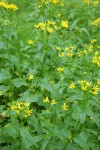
(22, 106)
(84, 84)
(96, 59)
(94, 90)
(60, 70)
(54, 2)
(8, 6)
(48, 26)
(96, 22)
(53, 101)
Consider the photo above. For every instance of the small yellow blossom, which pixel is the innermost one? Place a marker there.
(93, 41)
(53, 102)
(84, 88)
(95, 3)
(59, 69)
(49, 30)
(31, 77)
(46, 100)
(64, 106)
(87, 1)
(98, 82)
(28, 112)
(62, 54)
(70, 54)
(72, 85)
(30, 42)
(66, 49)
(64, 24)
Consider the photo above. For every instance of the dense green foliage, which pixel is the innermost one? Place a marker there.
(50, 75)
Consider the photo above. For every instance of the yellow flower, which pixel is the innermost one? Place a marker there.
(64, 106)
(49, 30)
(62, 54)
(59, 69)
(30, 42)
(85, 51)
(84, 88)
(46, 100)
(66, 49)
(53, 102)
(98, 82)
(95, 3)
(93, 41)
(70, 54)
(8, 6)
(72, 85)
(28, 112)
(64, 24)
(96, 22)
(31, 77)
(87, 1)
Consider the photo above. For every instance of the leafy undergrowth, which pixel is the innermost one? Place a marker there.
(50, 75)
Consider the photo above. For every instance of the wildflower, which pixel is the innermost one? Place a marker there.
(64, 106)
(49, 30)
(94, 90)
(85, 51)
(46, 100)
(72, 85)
(70, 54)
(84, 88)
(53, 102)
(31, 77)
(59, 69)
(66, 49)
(64, 24)
(62, 54)
(93, 41)
(87, 1)
(98, 82)
(84, 84)
(30, 42)
(8, 6)
(95, 3)
(56, 27)
(28, 112)
(96, 22)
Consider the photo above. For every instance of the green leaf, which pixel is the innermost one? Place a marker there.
(28, 139)
(44, 83)
(45, 141)
(85, 30)
(74, 24)
(19, 82)
(4, 74)
(81, 140)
